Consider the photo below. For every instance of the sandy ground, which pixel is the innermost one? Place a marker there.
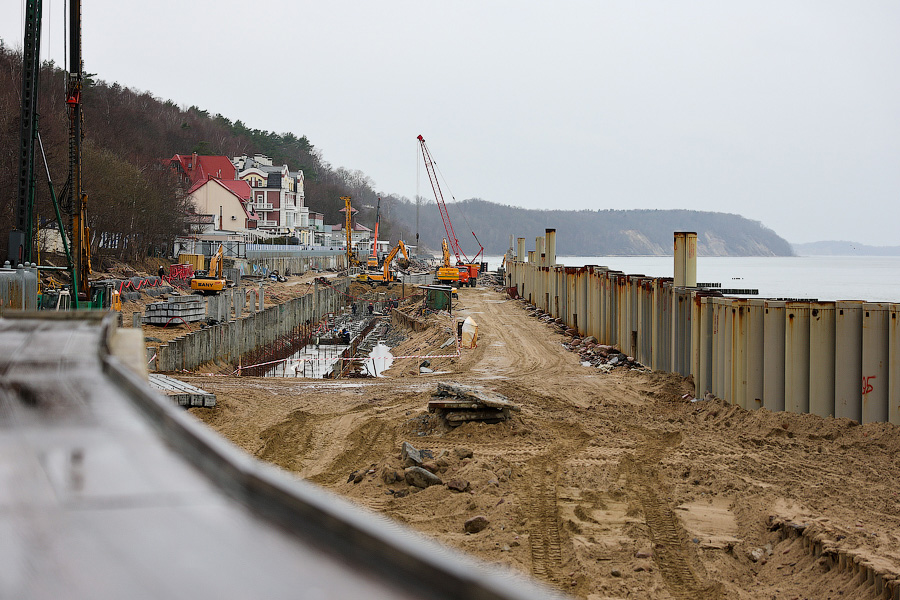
(604, 485)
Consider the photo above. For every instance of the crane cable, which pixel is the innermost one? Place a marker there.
(458, 207)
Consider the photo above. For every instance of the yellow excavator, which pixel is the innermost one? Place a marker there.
(386, 276)
(211, 281)
(447, 274)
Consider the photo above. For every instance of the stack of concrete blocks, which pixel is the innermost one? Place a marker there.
(178, 308)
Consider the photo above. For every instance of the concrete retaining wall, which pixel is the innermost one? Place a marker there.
(242, 334)
(826, 358)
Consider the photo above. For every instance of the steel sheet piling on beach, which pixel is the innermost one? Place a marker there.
(838, 358)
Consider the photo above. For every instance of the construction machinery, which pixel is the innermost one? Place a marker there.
(386, 276)
(447, 273)
(472, 266)
(372, 262)
(83, 293)
(352, 261)
(211, 281)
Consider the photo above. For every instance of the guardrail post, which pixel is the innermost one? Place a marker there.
(529, 278)
(703, 380)
(774, 361)
(728, 350)
(520, 259)
(796, 352)
(875, 359)
(718, 343)
(755, 353)
(685, 259)
(821, 358)
(582, 301)
(739, 311)
(894, 366)
(667, 324)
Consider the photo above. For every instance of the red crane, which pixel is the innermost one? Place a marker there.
(445, 216)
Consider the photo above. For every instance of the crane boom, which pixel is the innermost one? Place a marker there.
(439, 198)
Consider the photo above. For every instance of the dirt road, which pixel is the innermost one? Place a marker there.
(604, 485)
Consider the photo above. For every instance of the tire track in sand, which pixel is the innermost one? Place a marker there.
(543, 535)
(673, 553)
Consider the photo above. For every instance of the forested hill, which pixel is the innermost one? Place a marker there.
(594, 233)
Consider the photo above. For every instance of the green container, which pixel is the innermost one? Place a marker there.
(437, 297)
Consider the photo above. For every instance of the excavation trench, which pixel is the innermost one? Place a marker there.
(339, 346)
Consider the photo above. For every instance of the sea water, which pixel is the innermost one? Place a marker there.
(825, 278)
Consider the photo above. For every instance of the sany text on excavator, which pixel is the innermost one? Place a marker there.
(211, 281)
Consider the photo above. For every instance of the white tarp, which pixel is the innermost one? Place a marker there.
(469, 333)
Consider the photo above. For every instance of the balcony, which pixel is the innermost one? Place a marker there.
(264, 224)
(262, 206)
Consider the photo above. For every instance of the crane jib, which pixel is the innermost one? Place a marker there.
(442, 206)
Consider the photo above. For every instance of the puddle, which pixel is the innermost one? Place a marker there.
(380, 360)
(312, 361)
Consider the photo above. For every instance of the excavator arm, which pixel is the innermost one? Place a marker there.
(446, 251)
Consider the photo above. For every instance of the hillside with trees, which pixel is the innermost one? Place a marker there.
(130, 197)
(593, 233)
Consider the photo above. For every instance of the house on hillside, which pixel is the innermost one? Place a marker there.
(319, 233)
(220, 205)
(358, 233)
(277, 193)
(194, 168)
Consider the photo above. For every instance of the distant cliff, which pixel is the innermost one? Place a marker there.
(840, 248)
(593, 233)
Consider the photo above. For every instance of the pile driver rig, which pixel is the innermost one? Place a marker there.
(73, 201)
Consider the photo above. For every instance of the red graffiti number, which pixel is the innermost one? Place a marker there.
(867, 384)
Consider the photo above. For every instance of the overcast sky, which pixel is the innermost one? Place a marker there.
(785, 112)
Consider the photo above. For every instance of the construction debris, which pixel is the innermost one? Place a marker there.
(461, 403)
(602, 356)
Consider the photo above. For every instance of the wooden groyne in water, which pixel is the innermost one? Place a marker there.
(838, 359)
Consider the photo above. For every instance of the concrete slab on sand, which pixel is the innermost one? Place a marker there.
(183, 394)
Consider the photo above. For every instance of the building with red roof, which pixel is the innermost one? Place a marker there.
(194, 168)
(221, 205)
